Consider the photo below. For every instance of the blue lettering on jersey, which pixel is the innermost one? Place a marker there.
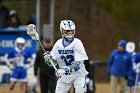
(65, 51)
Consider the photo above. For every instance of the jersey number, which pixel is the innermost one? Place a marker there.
(68, 59)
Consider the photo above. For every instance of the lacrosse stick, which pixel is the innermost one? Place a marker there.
(137, 68)
(31, 30)
(130, 47)
(136, 83)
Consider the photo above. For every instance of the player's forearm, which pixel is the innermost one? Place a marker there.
(76, 67)
(8, 62)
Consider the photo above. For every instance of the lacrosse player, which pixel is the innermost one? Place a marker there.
(70, 54)
(136, 68)
(130, 47)
(19, 56)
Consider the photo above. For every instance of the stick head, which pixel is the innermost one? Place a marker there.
(31, 30)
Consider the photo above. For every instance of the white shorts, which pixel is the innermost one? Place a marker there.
(64, 84)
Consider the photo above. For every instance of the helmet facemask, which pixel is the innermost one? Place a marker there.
(68, 35)
(67, 28)
(20, 45)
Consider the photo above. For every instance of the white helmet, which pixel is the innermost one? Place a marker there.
(20, 43)
(130, 47)
(67, 28)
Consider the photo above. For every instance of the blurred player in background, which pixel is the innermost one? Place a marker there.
(20, 58)
(70, 54)
(43, 72)
(136, 68)
(130, 47)
(119, 67)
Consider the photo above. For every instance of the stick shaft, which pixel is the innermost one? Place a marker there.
(47, 52)
(136, 82)
(53, 65)
(41, 45)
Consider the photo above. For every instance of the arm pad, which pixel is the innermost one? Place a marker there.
(77, 67)
(69, 69)
(74, 68)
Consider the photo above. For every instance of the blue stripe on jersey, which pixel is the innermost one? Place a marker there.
(85, 82)
(65, 44)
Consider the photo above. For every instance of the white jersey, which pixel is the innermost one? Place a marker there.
(68, 55)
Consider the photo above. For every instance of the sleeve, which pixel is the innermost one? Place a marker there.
(36, 64)
(9, 57)
(136, 61)
(54, 52)
(110, 62)
(79, 52)
(30, 58)
(134, 58)
(137, 58)
(89, 67)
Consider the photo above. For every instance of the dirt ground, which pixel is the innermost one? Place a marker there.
(100, 88)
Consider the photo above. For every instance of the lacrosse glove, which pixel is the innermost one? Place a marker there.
(47, 58)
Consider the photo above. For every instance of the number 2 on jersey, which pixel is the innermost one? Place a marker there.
(68, 59)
